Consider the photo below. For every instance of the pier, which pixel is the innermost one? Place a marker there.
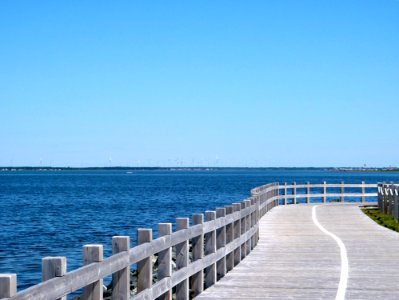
(294, 259)
(286, 241)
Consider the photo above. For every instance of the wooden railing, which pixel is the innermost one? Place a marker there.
(289, 194)
(219, 241)
(388, 199)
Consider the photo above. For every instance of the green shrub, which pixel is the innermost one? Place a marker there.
(383, 219)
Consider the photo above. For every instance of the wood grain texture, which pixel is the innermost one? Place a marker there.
(53, 267)
(165, 259)
(210, 247)
(8, 285)
(182, 260)
(93, 254)
(121, 279)
(295, 260)
(197, 280)
(144, 267)
(239, 223)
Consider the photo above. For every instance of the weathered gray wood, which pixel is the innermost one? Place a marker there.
(342, 191)
(182, 259)
(237, 233)
(165, 259)
(346, 195)
(271, 272)
(220, 243)
(54, 267)
(294, 187)
(285, 193)
(334, 185)
(253, 222)
(243, 230)
(157, 291)
(197, 280)
(121, 279)
(229, 239)
(144, 267)
(396, 199)
(198, 265)
(308, 192)
(363, 191)
(8, 285)
(248, 246)
(76, 279)
(210, 247)
(92, 273)
(93, 254)
(257, 205)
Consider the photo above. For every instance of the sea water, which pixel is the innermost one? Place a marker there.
(56, 213)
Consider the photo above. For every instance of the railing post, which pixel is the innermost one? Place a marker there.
(342, 191)
(392, 199)
(229, 239)
(379, 196)
(324, 192)
(182, 258)
(197, 280)
(121, 279)
(396, 204)
(253, 222)
(237, 234)
(210, 247)
(165, 259)
(277, 194)
(8, 285)
(285, 193)
(257, 219)
(243, 230)
(54, 267)
(308, 192)
(294, 193)
(363, 192)
(248, 226)
(220, 243)
(144, 267)
(385, 198)
(93, 254)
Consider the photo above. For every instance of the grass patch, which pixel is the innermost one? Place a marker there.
(383, 219)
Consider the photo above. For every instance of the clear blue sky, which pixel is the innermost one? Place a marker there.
(226, 83)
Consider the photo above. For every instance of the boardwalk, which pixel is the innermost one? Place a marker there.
(296, 260)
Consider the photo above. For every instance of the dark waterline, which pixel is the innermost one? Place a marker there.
(56, 213)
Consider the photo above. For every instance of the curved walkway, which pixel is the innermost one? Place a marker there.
(294, 259)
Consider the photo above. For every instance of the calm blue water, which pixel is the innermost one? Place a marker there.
(55, 214)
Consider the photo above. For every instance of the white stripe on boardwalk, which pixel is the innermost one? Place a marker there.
(344, 258)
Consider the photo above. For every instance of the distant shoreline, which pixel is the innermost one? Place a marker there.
(120, 168)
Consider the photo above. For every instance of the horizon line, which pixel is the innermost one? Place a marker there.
(193, 167)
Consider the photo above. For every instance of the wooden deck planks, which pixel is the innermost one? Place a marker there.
(295, 260)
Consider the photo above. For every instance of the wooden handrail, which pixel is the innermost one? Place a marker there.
(388, 199)
(359, 185)
(227, 238)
